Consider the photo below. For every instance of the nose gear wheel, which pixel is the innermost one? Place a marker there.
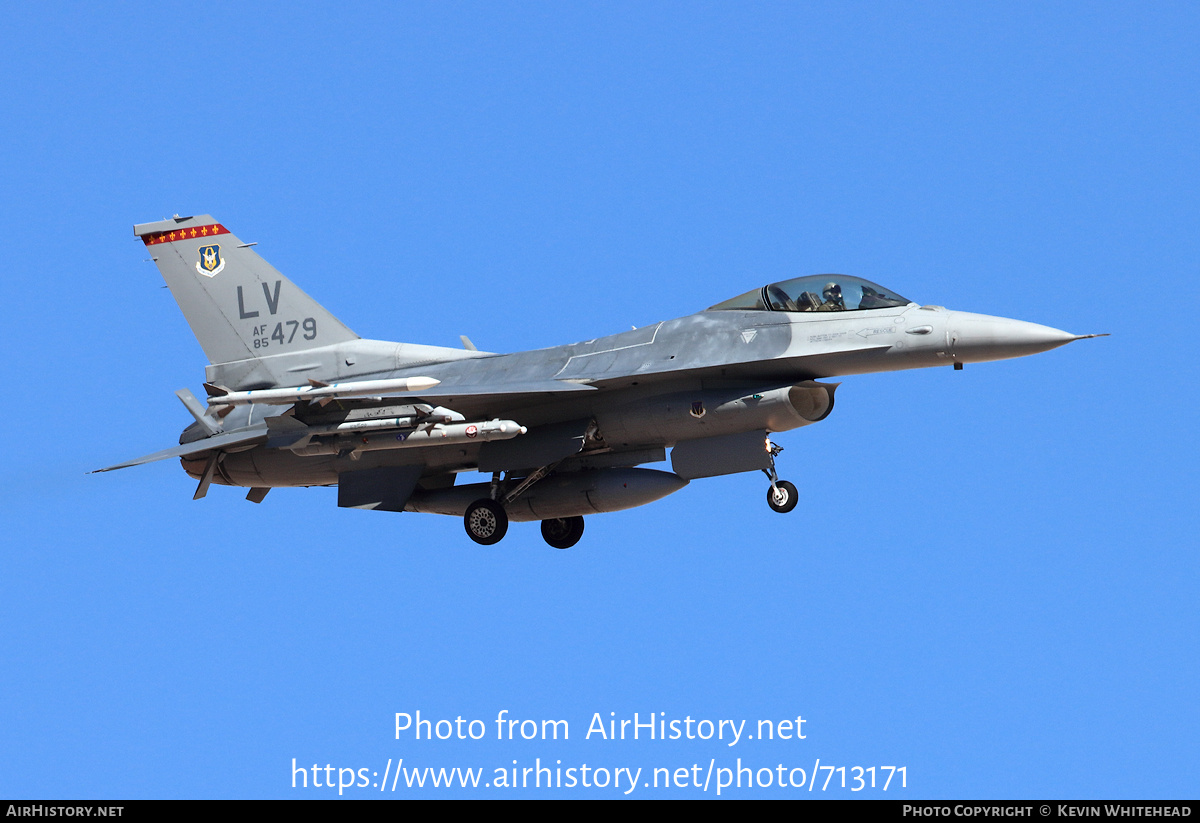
(781, 495)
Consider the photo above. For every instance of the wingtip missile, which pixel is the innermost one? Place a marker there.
(316, 391)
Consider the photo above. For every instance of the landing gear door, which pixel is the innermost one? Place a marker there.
(725, 454)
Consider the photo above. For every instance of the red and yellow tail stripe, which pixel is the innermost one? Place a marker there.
(184, 234)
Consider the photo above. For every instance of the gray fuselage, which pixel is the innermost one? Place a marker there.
(729, 353)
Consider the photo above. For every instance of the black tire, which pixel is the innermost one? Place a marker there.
(785, 499)
(486, 522)
(562, 532)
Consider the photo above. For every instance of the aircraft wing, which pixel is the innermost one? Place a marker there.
(220, 441)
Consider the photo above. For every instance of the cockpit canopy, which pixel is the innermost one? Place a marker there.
(818, 292)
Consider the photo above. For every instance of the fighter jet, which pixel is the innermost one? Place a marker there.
(295, 398)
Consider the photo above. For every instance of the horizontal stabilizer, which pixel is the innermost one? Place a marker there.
(220, 441)
(197, 411)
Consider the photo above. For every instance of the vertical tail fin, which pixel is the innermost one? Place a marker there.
(238, 305)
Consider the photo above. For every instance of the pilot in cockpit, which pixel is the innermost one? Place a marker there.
(833, 298)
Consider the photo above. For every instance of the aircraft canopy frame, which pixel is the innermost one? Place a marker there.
(816, 292)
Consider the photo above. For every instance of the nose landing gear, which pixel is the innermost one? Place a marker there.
(781, 495)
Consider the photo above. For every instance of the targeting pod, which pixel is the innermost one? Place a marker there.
(437, 434)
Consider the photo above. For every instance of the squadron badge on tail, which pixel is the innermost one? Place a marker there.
(210, 264)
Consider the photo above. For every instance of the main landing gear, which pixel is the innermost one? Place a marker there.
(486, 520)
(562, 532)
(781, 495)
(487, 523)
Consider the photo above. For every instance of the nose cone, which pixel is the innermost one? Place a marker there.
(978, 337)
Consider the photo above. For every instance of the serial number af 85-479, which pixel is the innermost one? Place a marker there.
(284, 332)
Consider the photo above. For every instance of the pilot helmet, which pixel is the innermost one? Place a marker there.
(832, 289)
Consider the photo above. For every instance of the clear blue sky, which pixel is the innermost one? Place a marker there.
(991, 579)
